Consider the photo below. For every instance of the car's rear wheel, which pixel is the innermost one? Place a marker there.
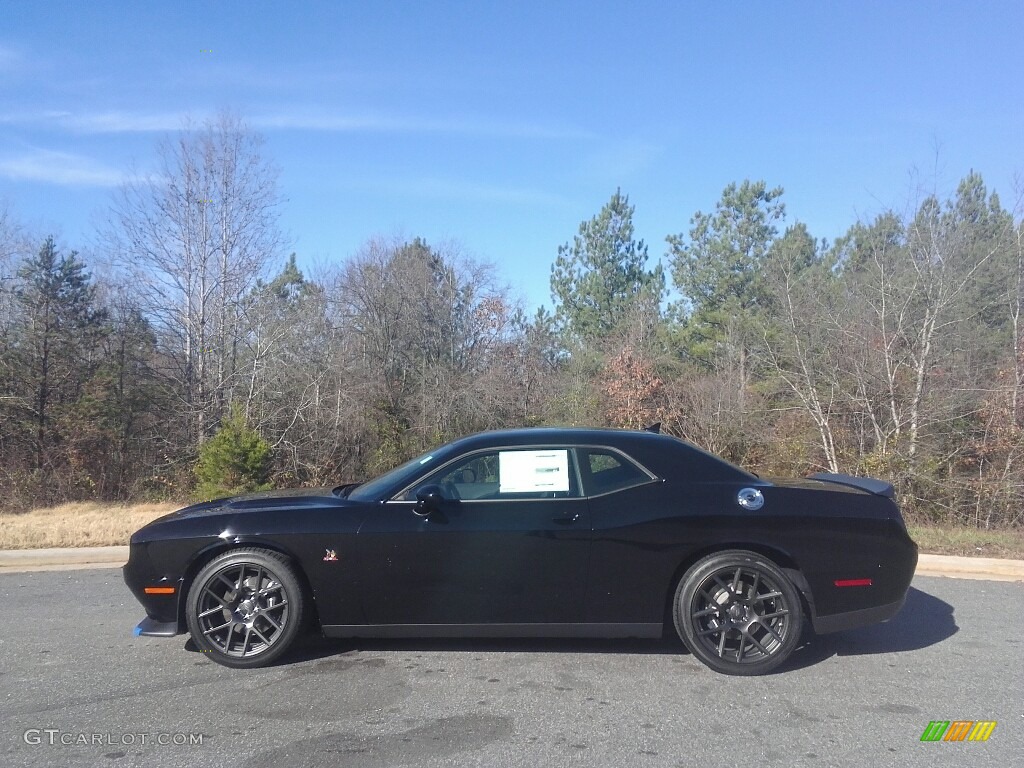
(245, 607)
(738, 613)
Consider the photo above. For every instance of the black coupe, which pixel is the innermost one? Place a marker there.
(533, 532)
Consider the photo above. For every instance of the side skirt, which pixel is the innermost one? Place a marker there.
(493, 630)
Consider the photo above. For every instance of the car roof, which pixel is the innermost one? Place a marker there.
(660, 453)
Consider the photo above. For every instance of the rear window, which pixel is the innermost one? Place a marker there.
(606, 472)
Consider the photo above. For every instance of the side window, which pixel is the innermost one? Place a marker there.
(528, 473)
(604, 472)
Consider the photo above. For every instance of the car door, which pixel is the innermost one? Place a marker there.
(509, 544)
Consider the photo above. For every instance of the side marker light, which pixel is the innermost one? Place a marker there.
(853, 582)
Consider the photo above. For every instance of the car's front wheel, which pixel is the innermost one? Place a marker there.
(244, 607)
(738, 613)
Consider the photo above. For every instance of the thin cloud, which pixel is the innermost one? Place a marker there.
(122, 122)
(458, 189)
(60, 168)
(375, 123)
(295, 120)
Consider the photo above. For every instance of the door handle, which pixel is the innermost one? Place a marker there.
(566, 520)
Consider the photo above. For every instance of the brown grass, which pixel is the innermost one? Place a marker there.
(968, 542)
(79, 524)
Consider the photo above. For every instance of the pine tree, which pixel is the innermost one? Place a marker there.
(235, 460)
(601, 278)
(60, 330)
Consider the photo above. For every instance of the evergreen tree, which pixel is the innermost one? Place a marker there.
(60, 328)
(601, 279)
(717, 269)
(235, 460)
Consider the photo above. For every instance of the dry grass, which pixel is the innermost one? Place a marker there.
(968, 542)
(79, 524)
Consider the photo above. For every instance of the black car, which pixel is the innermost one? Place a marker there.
(539, 533)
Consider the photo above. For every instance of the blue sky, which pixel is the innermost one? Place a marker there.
(502, 125)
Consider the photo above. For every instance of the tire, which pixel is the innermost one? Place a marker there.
(245, 608)
(738, 613)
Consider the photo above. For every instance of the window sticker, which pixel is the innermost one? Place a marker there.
(532, 471)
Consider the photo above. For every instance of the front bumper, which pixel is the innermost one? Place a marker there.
(161, 608)
(152, 628)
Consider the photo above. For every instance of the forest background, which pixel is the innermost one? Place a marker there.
(895, 351)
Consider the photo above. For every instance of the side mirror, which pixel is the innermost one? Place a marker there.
(429, 499)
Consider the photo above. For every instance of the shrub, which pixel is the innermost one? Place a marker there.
(235, 460)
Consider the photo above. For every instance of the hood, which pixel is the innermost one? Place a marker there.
(289, 498)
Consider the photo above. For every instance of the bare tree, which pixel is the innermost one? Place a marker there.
(197, 236)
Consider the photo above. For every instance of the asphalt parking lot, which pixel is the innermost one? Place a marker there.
(78, 689)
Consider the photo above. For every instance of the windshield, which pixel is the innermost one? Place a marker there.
(397, 478)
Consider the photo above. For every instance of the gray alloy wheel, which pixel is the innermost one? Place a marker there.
(738, 613)
(245, 607)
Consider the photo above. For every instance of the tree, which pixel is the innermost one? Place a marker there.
(59, 332)
(799, 337)
(718, 271)
(602, 277)
(198, 236)
(235, 460)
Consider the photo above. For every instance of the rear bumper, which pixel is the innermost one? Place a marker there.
(152, 628)
(839, 622)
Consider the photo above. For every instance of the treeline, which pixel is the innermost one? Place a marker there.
(895, 351)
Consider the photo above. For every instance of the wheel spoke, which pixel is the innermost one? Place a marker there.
(211, 630)
(261, 636)
(275, 606)
(757, 580)
(770, 631)
(705, 612)
(211, 611)
(759, 644)
(721, 646)
(273, 587)
(724, 585)
(783, 612)
(769, 596)
(241, 577)
(245, 640)
(736, 581)
(230, 584)
(218, 598)
(272, 622)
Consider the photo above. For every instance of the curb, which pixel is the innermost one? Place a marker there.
(61, 559)
(988, 568)
(18, 560)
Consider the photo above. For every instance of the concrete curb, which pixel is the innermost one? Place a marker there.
(61, 559)
(17, 560)
(988, 568)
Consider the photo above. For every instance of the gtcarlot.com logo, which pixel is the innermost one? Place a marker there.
(56, 737)
(958, 730)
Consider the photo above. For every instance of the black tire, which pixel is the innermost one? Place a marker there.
(245, 607)
(738, 613)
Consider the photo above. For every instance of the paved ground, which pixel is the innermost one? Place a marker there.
(69, 664)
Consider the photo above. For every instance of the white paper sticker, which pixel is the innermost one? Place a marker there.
(533, 471)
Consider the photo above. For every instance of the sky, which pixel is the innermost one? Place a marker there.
(496, 128)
